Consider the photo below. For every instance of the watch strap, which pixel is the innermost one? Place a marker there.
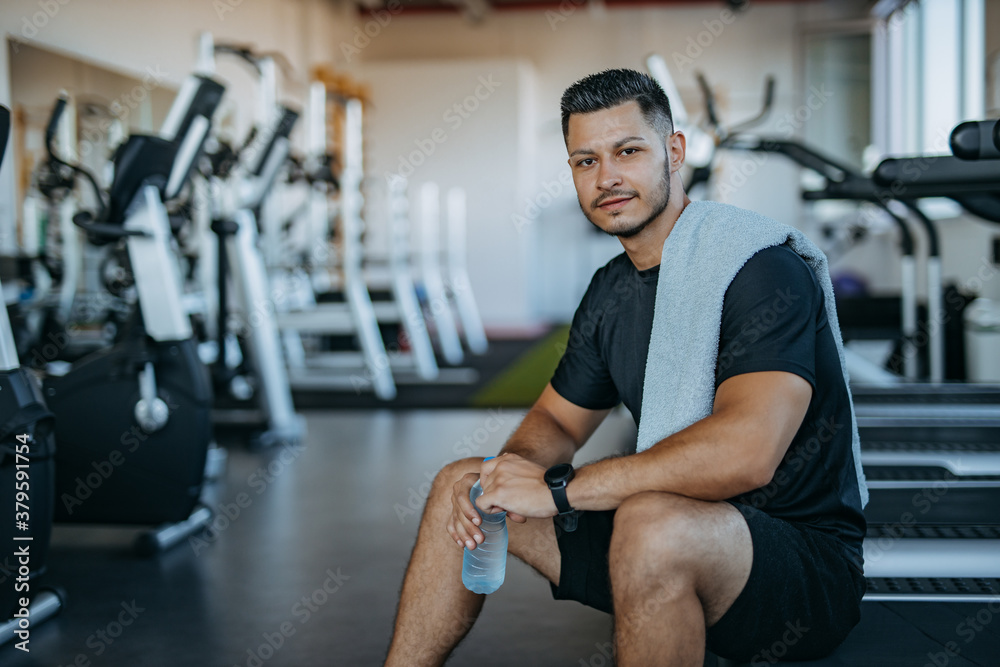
(562, 502)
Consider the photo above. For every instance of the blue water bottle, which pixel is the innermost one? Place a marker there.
(483, 568)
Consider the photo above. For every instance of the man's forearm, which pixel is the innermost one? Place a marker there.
(708, 460)
(541, 440)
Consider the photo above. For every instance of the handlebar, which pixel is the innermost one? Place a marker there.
(706, 92)
(764, 112)
(722, 133)
(4, 130)
(976, 140)
(53, 126)
(50, 134)
(100, 230)
(243, 52)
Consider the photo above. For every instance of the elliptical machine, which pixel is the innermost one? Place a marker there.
(26, 484)
(133, 422)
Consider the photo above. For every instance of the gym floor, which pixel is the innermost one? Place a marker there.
(309, 553)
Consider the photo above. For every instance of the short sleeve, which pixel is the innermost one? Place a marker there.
(770, 317)
(582, 376)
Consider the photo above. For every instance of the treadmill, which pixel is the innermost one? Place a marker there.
(953, 427)
(971, 177)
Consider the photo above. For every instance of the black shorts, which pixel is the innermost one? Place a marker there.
(802, 598)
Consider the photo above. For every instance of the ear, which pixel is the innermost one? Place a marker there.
(676, 145)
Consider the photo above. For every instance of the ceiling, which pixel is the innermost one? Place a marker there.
(478, 9)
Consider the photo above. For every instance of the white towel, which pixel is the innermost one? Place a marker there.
(707, 247)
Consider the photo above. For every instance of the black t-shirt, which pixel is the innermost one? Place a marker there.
(773, 319)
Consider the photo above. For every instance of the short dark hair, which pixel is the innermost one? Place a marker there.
(617, 86)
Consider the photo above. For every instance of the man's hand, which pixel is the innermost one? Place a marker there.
(464, 521)
(463, 526)
(517, 485)
(510, 483)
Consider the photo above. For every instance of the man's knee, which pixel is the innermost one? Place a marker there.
(445, 480)
(653, 531)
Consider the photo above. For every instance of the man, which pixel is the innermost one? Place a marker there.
(741, 531)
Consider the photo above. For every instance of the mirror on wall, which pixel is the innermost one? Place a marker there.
(107, 106)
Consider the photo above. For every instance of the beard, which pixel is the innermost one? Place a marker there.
(659, 199)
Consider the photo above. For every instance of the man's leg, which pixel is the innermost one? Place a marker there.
(435, 609)
(676, 566)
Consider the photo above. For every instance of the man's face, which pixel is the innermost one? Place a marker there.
(620, 168)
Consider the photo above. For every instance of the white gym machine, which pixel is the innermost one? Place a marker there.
(233, 200)
(356, 314)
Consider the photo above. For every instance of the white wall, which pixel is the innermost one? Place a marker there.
(38, 75)
(462, 123)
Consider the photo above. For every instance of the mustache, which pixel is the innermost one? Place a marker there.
(614, 194)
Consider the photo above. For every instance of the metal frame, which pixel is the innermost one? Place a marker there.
(432, 277)
(157, 277)
(458, 275)
(252, 292)
(403, 289)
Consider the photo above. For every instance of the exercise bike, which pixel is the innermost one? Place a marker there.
(133, 422)
(27, 446)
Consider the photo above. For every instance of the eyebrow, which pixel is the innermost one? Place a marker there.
(618, 144)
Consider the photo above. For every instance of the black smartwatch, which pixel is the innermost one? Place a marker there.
(557, 477)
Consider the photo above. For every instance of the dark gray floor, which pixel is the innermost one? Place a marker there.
(336, 515)
(332, 508)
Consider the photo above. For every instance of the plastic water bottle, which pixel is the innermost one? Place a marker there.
(483, 568)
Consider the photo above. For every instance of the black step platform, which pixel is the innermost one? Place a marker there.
(892, 473)
(972, 445)
(937, 505)
(932, 531)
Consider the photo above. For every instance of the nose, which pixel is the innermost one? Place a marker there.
(608, 176)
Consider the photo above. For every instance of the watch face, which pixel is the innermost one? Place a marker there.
(558, 473)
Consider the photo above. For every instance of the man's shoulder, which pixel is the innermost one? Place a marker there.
(771, 273)
(777, 263)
